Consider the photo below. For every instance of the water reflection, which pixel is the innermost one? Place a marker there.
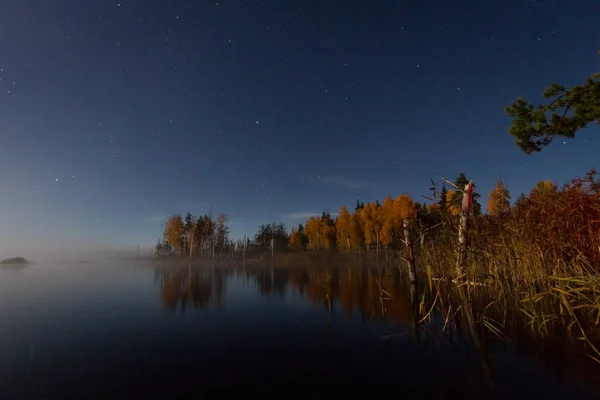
(195, 287)
(374, 295)
(123, 328)
(448, 325)
(270, 281)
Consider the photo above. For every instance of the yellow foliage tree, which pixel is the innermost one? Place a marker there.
(356, 233)
(453, 203)
(386, 219)
(499, 200)
(174, 233)
(370, 224)
(343, 227)
(365, 226)
(543, 187)
(327, 232)
(296, 240)
(312, 230)
(404, 207)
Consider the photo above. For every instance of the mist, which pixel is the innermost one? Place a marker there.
(57, 255)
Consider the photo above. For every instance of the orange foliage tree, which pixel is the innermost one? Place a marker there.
(499, 200)
(174, 233)
(453, 203)
(343, 227)
(328, 234)
(543, 187)
(386, 216)
(296, 242)
(369, 224)
(312, 230)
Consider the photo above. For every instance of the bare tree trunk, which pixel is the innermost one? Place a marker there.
(191, 243)
(410, 260)
(463, 228)
(244, 255)
(377, 248)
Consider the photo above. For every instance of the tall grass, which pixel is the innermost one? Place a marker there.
(542, 257)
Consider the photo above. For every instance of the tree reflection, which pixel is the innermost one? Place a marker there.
(450, 318)
(373, 295)
(198, 287)
(271, 281)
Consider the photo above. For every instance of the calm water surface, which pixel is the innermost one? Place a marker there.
(130, 330)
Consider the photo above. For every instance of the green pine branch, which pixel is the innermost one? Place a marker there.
(534, 127)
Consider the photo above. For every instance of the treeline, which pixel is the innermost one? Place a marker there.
(194, 236)
(380, 225)
(370, 225)
(548, 230)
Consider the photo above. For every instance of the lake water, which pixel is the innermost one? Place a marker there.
(121, 329)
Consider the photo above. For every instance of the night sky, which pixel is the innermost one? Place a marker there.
(116, 114)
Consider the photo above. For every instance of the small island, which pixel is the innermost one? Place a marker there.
(15, 261)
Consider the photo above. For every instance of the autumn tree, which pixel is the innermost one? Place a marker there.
(567, 111)
(543, 187)
(175, 233)
(384, 223)
(296, 241)
(313, 233)
(357, 238)
(328, 233)
(499, 200)
(387, 222)
(453, 202)
(343, 227)
(370, 223)
(404, 208)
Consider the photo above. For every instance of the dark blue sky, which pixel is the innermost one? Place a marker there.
(115, 114)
